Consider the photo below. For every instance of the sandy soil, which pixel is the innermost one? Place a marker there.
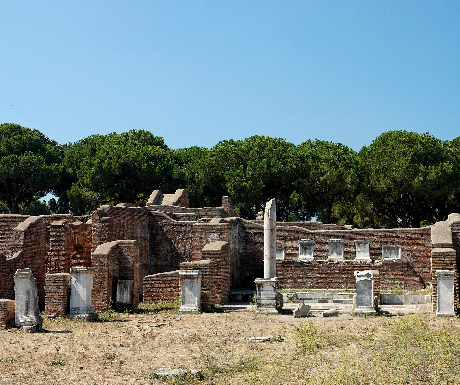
(128, 348)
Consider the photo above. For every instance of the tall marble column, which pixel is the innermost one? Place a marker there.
(269, 299)
(270, 240)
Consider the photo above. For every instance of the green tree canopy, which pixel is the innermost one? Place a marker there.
(29, 165)
(326, 178)
(407, 179)
(252, 172)
(113, 168)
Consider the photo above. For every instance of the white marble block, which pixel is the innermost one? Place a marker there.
(335, 249)
(280, 254)
(364, 292)
(362, 250)
(27, 312)
(190, 284)
(445, 292)
(81, 291)
(391, 253)
(124, 294)
(306, 249)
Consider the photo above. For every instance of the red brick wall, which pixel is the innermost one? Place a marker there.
(8, 223)
(415, 251)
(123, 223)
(112, 261)
(68, 243)
(219, 252)
(104, 260)
(170, 243)
(27, 243)
(340, 275)
(443, 259)
(57, 288)
(6, 313)
(162, 287)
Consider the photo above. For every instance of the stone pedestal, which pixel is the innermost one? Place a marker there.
(445, 292)
(365, 292)
(190, 284)
(81, 291)
(362, 250)
(124, 294)
(335, 250)
(306, 249)
(27, 312)
(269, 300)
(270, 240)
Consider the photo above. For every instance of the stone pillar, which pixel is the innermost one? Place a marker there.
(335, 250)
(81, 290)
(365, 301)
(306, 249)
(362, 250)
(270, 240)
(26, 301)
(445, 292)
(190, 283)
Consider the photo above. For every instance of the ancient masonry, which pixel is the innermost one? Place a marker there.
(137, 253)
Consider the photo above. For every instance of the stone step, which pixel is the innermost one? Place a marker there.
(347, 298)
(319, 297)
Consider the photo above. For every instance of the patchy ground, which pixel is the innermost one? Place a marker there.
(128, 348)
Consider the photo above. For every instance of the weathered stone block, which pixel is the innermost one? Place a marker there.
(124, 297)
(445, 292)
(391, 253)
(335, 247)
(364, 292)
(362, 250)
(26, 301)
(190, 282)
(306, 250)
(301, 310)
(81, 289)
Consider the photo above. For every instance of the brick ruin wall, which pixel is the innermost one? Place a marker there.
(23, 246)
(447, 257)
(170, 243)
(8, 248)
(162, 287)
(413, 272)
(113, 261)
(57, 288)
(173, 242)
(219, 252)
(68, 243)
(7, 307)
(112, 223)
(340, 275)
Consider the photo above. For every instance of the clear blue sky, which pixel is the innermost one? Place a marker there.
(197, 72)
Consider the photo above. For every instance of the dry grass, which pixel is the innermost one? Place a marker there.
(127, 348)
